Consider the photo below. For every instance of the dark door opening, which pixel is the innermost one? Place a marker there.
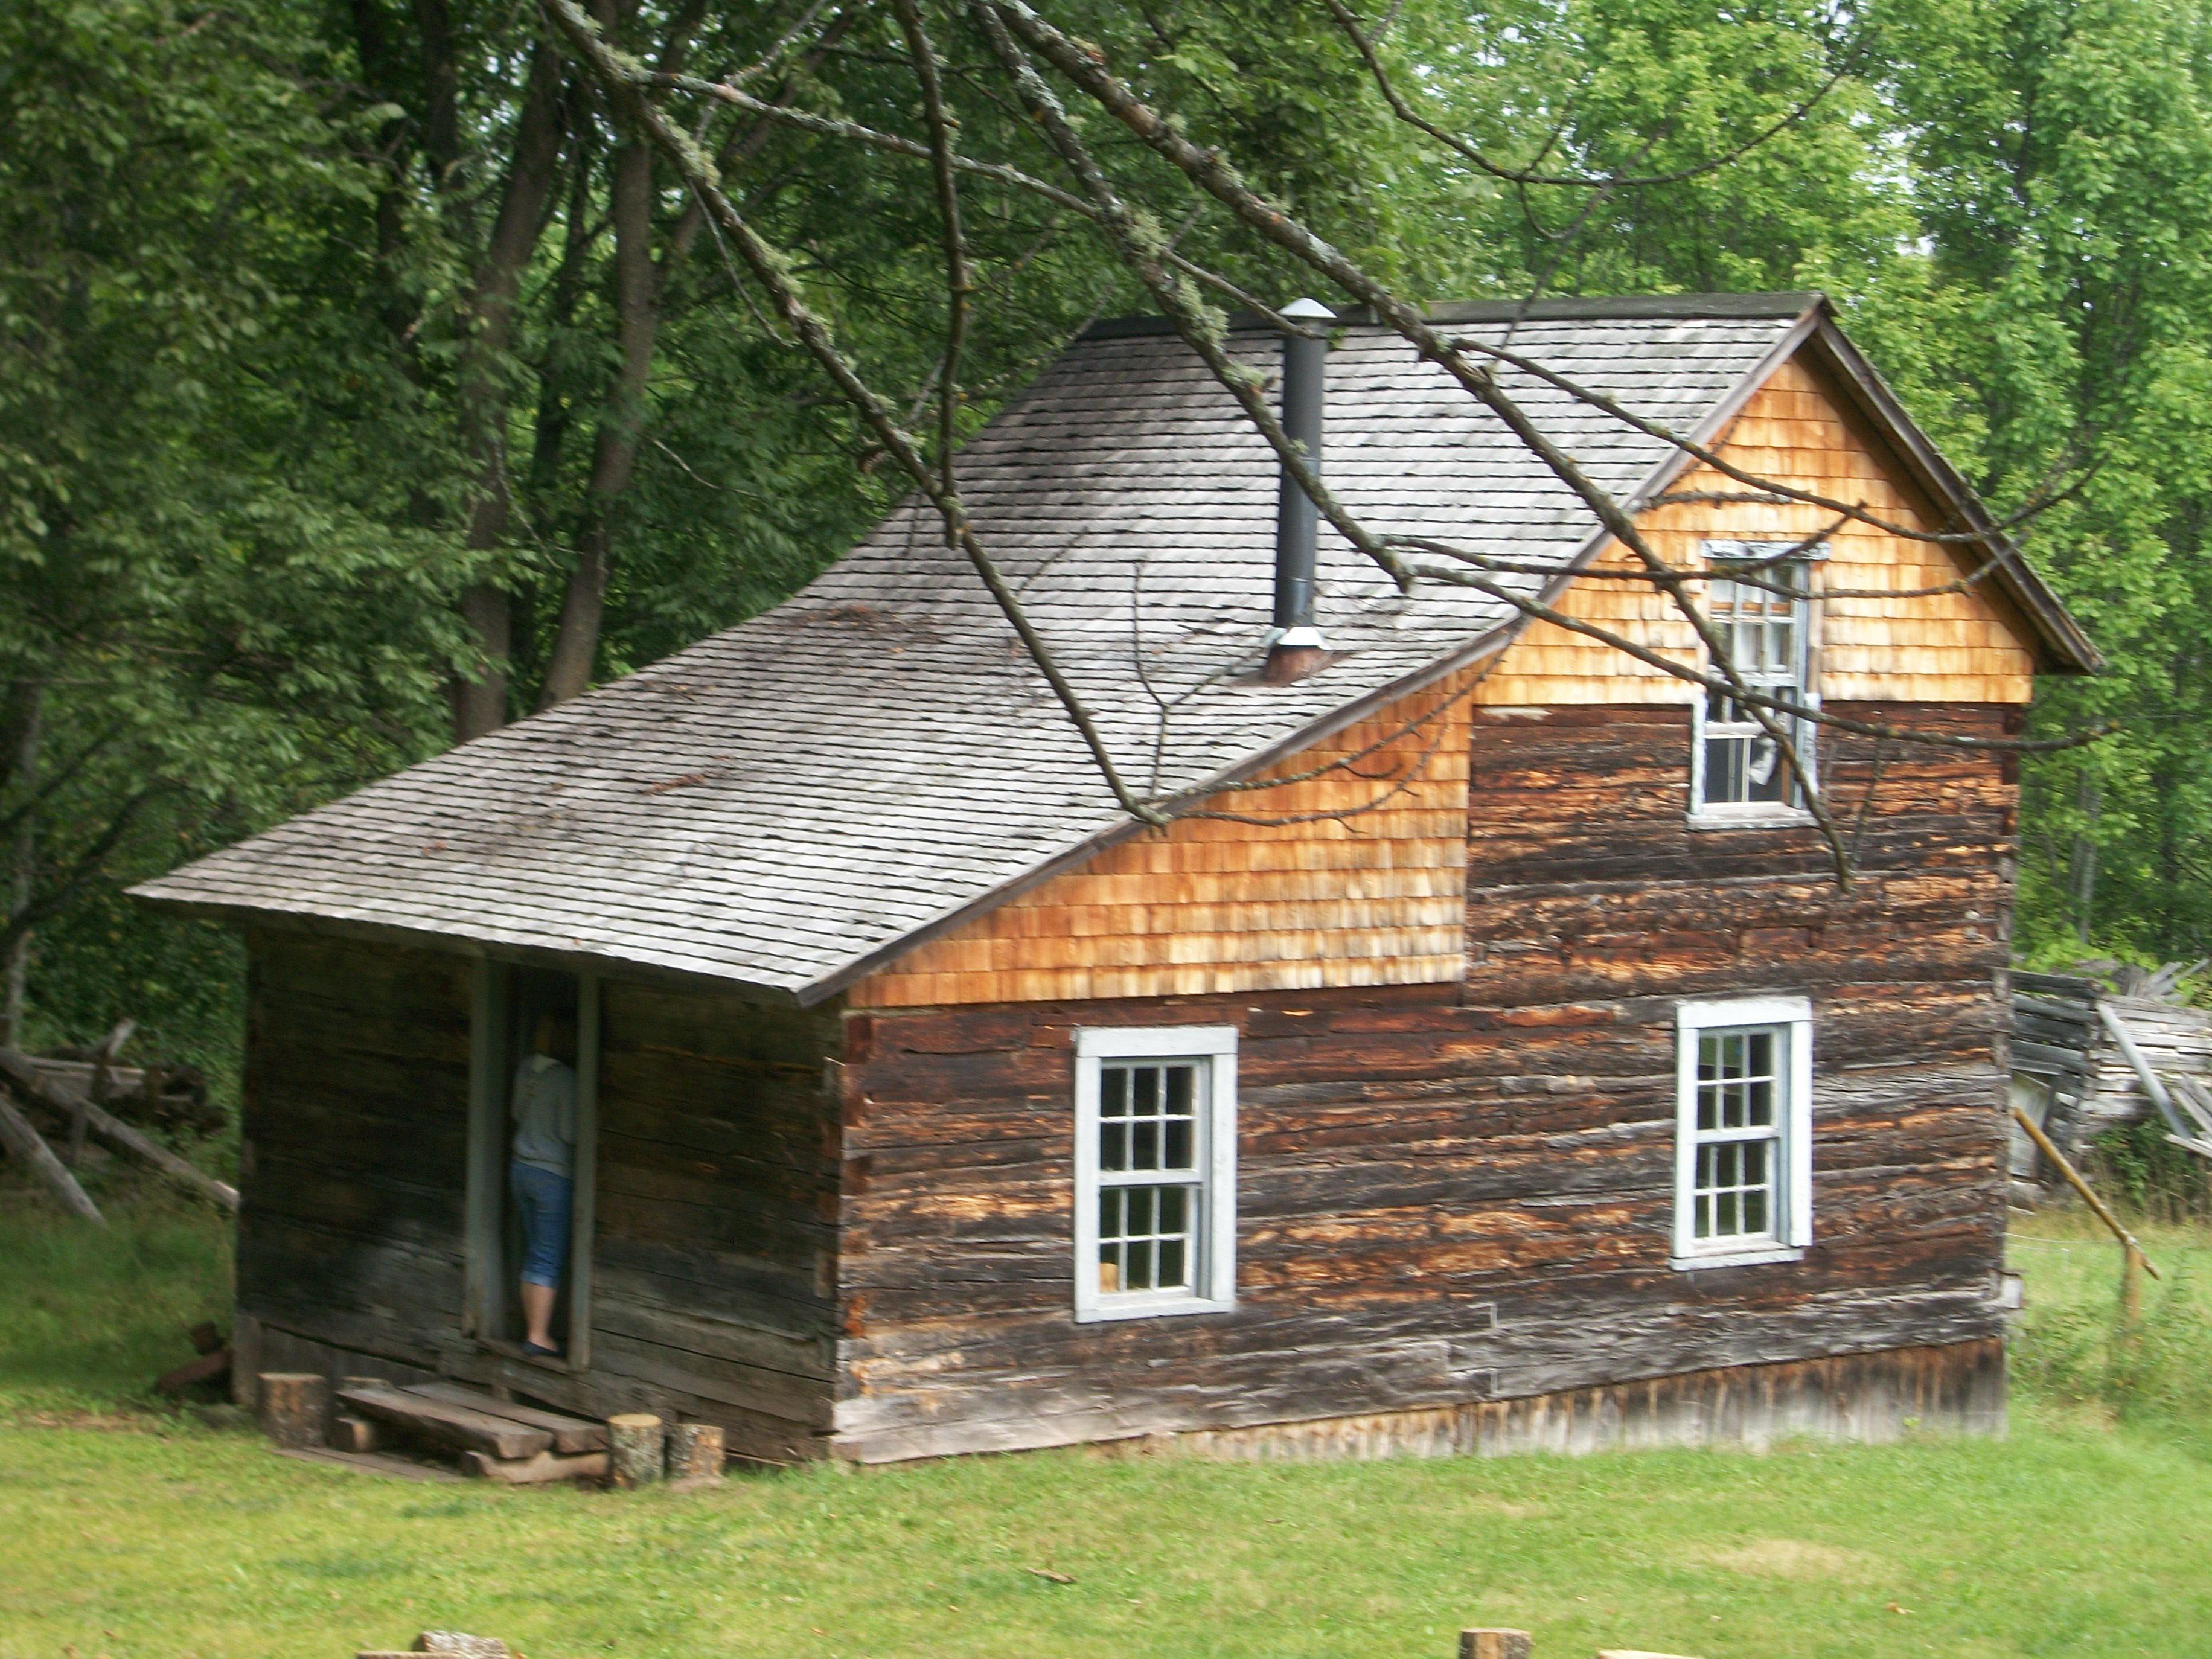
(532, 1152)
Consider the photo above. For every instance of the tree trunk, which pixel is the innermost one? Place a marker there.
(479, 700)
(640, 284)
(2081, 878)
(638, 287)
(26, 701)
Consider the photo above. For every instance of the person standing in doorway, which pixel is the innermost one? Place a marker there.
(542, 1176)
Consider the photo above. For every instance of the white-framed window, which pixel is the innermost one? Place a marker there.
(1155, 1170)
(1738, 771)
(1743, 1130)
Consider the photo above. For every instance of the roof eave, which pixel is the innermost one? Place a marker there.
(275, 920)
(2067, 649)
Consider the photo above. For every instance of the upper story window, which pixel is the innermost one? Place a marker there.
(1758, 604)
(1155, 1170)
(1743, 1130)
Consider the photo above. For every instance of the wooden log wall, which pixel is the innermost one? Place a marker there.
(714, 1258)
(353, 1164)
(716, 1249)
(1798, 429)
(1456, 1192)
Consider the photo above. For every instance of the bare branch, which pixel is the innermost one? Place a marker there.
(770, 270)
(1381, 74)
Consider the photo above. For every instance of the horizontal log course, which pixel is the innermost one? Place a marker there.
(1410, 1155)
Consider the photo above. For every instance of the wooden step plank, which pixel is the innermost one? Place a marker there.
(443, 1424)
(571, 1435)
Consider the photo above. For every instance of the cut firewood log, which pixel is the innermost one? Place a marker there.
(571, 1435)
(295, 1407)
(1495, 1643)
(695, 1453)
(26, 1147)
(212, 1369)
(19, 1069)
(456, 1428)
(536, 1470)
(635, 1442)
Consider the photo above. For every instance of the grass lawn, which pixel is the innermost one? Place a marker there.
(129, 1531)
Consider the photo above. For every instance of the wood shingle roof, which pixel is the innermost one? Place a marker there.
(794, 800)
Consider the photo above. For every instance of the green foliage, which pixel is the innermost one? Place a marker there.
(214, 627)
(1769, 152)
(89, 1316)
(2137, 1164)
(2073, 1346)
(2060, 154)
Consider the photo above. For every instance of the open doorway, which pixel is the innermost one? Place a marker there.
(532, 1143)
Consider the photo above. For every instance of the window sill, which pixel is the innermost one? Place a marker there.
(1778, 818)
(1163, 1307)
(1758, 1256)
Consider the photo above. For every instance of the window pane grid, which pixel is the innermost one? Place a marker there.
(1763, 634)
(1150, 1196)
(1737, 1133)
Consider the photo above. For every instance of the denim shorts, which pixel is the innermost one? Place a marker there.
(543, 1201)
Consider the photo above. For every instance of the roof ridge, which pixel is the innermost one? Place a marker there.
(1589, 307)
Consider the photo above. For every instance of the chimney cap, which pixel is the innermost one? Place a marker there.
(1300, 310)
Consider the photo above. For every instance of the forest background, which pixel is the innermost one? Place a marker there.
(362, 387)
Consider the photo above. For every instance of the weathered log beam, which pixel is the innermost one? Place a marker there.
(2141, 1068)
(536, 1470)
(24, 1145)
(18, 1069)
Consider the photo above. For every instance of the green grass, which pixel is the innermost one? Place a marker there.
(140, 1533)
(89, 1317)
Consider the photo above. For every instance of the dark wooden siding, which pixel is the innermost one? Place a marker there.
(1448, 1192)
(717, 1211)
(714, 1295)
(355, 1144)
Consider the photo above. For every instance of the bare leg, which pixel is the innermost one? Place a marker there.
(538, 1302)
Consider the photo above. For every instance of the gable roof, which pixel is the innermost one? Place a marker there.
(789, 803)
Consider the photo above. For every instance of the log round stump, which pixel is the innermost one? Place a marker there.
(295, 1407)
(695, 1451)
(635, 1449)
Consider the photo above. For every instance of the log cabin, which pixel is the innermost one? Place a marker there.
(1485, 1055)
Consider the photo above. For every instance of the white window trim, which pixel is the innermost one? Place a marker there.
(1741, 814)
(1794, 1234)
(1216, 1274)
